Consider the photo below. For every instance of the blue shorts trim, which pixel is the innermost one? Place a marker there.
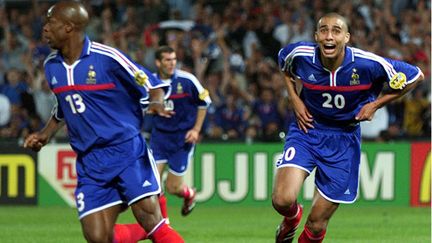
(176, 173)
(333, 200)
(144, 196)
(100, 208)
(295, 166)
(162, 161)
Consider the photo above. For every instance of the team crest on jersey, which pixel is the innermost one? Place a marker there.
(203, 95)
(398, 81)
(91, 75)
(355, 78)
(141, 77)
(179, 88)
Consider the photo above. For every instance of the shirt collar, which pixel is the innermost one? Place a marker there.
(86, 48)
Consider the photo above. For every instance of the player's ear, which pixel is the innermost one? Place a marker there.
(69, 27)
(347, 37)
(158, 63)
(316, 36)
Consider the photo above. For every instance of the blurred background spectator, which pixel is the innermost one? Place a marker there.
(231, 46)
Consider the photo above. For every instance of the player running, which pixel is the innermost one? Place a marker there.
(173, 139)
(98, 100)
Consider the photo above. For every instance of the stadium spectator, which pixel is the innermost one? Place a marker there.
(230, 120)
(5, 110)
(341, 87)
(44, 99)
(417, 110)
(18, 121)
(14, 86)
(95, 85)
(265, 108)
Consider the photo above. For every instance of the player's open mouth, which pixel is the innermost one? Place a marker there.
(329, 48)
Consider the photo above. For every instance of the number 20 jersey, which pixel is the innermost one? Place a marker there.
(98, 96)
(337, 96)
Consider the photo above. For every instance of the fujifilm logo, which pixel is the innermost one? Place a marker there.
(376, 182)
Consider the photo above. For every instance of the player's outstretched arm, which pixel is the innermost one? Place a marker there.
(367, 112)
(37, 140)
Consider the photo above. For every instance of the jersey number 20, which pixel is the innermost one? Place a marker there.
(337, 101)
(76, 103)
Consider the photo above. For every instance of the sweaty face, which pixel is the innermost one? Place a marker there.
(331, 36)
(167, 64)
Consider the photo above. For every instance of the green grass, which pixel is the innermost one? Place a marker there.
(228, 224)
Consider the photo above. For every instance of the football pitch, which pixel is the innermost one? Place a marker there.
(229, 224)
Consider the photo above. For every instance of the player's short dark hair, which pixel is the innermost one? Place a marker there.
(161, 50)
(334, 15)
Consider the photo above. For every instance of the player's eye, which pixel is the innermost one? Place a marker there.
(323, 30)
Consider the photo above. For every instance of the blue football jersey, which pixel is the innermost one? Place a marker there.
(98, 96)
(333, 96)
(185, 95)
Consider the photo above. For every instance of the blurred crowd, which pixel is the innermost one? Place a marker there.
(231, 46)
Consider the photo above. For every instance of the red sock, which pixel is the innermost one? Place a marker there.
(128, 233)
(292, 211)
(308, 237)
(186, 192)
(163, 233)
(163, 205)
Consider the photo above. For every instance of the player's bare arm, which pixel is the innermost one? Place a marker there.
(156, 105)
(367, 112)
(193, 134)
(37, 140)
(304, 118)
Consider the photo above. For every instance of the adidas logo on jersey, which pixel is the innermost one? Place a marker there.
(53, 80)
(311, 78)
(146, 183)
(347, 192)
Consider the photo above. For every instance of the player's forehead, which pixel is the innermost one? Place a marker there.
(332, 22)
(169, 55)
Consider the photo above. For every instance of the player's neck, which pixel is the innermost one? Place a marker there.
(71, 51)
(164, 76)
(333, 63)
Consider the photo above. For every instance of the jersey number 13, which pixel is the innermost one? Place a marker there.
(76, 103)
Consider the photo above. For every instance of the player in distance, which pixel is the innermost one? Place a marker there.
(173, 139)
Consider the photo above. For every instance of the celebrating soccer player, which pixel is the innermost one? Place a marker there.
(341, 86)
(98, 91)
